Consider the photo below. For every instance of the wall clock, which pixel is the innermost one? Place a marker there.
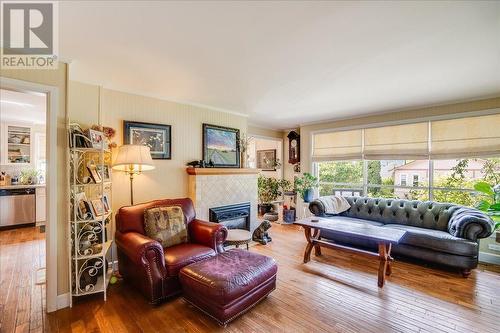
(293, 147)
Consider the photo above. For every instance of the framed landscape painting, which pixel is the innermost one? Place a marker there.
(157, 137)
(221, 146)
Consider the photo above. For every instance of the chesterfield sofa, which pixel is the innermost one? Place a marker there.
(152, 269)
(440, 233)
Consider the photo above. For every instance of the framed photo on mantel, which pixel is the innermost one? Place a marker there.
(157, 137)
(221, 146)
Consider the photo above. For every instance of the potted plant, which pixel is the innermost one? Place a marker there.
(305, 186)
(490, 204)
(269, 190)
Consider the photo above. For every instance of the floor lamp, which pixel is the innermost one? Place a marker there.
(133, 160)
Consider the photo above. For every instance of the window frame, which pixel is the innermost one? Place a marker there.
(401, 179)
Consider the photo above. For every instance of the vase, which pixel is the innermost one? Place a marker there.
(308, 195)
(243, 162)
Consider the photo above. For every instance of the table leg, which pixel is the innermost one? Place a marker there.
(317, 248)
(247, 246)
(382, 268)
(389, 260)
(309, 247)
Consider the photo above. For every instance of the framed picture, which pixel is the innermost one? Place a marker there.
(266, 160)
(94, 174)
(106, 203)
(98, 207)
(82, 206)
(157, 137)
(96, 139)
(220, 146)
(104, 171)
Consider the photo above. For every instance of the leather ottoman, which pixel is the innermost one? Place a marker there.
(228, 284)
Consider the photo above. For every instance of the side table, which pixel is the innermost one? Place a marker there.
(238, 237)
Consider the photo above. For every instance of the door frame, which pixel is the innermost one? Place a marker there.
(281, 141)
(52, 109)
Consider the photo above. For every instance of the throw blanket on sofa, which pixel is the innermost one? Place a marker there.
(334, 204)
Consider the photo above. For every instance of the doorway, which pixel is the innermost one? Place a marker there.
(28, 228)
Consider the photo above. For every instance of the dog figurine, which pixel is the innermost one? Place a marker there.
(261, 234)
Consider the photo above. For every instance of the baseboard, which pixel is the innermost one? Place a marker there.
(63, 301)
(489, 258)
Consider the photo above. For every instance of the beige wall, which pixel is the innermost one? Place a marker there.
(264, 132)
(265, 144)
(169, 178)
(56, 78)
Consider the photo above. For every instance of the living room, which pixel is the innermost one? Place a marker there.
(269, 166)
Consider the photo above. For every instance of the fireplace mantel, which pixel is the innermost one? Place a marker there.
(221, 171)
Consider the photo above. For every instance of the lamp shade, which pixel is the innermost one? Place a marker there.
(133, 158)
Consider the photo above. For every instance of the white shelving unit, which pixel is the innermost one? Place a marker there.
(89, 234)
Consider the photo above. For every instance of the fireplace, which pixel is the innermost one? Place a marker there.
(232, 216)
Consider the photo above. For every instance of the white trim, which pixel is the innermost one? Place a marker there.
(489, 258)
(282, 143)
(63, 301)
(51, 180)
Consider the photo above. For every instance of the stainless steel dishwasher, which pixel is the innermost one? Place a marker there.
(17, 206)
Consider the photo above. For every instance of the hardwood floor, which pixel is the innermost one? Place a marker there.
(22, 280)
(336, 292)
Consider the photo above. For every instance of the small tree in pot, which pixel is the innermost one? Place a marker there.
(269, 190)
(305, 186)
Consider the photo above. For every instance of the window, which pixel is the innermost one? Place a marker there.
(415, 180)
(437, 160)
(340, 175)
(452, 180)
(402, 179)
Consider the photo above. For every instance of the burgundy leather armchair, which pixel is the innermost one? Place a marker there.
(144, 263)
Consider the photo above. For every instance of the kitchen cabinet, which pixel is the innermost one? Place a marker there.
(16, 144)
(40, 204)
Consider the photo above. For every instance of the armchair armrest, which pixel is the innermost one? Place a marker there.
(141, 260)
(209, 234)
(470, 224)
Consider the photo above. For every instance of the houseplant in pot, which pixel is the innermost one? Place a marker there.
(305, 186)
(269, 190)
(490, 203)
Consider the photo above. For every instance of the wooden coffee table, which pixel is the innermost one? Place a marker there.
(385, 238)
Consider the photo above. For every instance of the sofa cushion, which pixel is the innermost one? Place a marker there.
(166, 225)
(423, 214)
(436, 240)
(181, 255)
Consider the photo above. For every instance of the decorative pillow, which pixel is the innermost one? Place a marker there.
(166, 225)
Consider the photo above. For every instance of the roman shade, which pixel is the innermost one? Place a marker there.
(466, 137)
(341, 145)
(409, 141)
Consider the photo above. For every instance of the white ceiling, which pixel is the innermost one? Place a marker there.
(22, 107)
(288, 63)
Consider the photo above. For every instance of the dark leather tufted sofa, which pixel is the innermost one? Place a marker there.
(145, 264)
(441, 233)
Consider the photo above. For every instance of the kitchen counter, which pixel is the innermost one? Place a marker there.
(13, 187)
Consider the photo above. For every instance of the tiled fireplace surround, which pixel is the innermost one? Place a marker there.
(209, 188)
